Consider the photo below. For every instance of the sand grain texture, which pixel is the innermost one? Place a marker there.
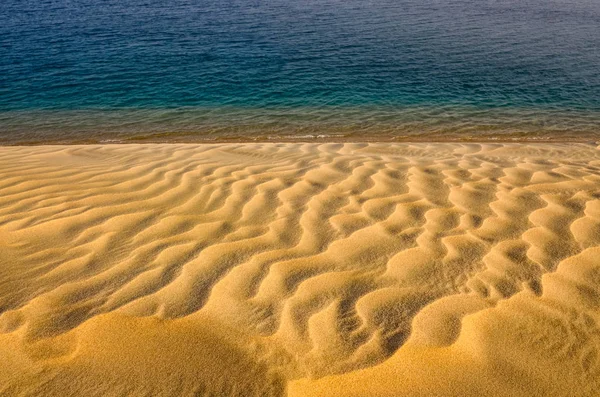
(300, 269)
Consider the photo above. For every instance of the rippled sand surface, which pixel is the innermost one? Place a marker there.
(300, 269)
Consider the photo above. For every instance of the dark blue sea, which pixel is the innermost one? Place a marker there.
(206, 70)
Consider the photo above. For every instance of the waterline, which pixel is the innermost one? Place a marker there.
(383, 123)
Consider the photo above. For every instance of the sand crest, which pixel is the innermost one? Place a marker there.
(296, 269)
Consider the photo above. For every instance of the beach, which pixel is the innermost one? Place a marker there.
(300, 269)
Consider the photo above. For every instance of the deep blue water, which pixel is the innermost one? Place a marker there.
(92, 70)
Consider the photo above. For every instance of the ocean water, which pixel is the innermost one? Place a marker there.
(205, 70)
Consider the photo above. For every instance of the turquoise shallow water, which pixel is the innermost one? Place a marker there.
(149, 70)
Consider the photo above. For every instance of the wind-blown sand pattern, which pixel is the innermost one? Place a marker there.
(300, 269)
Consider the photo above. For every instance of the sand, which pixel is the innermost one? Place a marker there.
(332, 269)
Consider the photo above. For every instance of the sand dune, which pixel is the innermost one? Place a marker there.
(300, 269)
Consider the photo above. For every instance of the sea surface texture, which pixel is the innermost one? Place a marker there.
(183, 70)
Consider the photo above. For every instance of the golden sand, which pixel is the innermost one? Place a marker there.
(300, 269)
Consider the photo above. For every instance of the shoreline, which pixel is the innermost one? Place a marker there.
(315, 140)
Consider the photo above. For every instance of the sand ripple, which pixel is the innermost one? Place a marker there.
(304, 260)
